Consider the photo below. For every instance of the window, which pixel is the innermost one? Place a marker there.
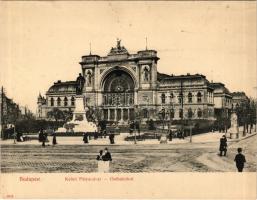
(72, 101)
(171, 113)
(180, 98)
(162, 113)
(199, 113)
(171, 95)
(58, 101)
(163, 97)
(145, 113)
(189, 97)
(52, 101)
(190, 113)
(65, 101)
(199, 97)
(181, 113)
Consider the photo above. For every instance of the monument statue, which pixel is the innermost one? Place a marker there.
(80, 84)
(234, 126)
(79, 122)
(118, 43)
(146, 74)
(89, 79)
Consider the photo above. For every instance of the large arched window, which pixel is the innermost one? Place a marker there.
(65, 101)
(72, 101)
(163, 97)
(58, 101)
(199, 97)
(189, 97)
(199, 113)
(52, 101)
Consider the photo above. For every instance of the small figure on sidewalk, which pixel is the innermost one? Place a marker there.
(131, 127)
(41, 137)
(240, 160)
(223, 145)
(170, 135)
(54, 139)
(111, 138)
(85, 138)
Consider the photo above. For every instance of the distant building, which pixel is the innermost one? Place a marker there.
(238, 98)
(124, 85)
(222, 101)
(61, 95)
(9, 111)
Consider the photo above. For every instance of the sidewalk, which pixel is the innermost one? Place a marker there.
(215, 137)
(210, 137)
(119, 140)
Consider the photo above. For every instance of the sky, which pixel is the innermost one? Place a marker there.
(42, 42)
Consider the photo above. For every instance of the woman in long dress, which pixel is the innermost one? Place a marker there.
(106, 160)
(54, 139)
(100, 161)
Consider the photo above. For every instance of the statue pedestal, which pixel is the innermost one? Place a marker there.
(79, 121)
(79, 113)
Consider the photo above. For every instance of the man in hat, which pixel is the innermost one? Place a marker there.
(240, 160)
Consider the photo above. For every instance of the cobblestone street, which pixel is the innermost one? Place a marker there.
(181, 157)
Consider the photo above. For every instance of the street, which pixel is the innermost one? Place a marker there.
(181, 157)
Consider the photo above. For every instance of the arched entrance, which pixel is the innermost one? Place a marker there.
(118, 96)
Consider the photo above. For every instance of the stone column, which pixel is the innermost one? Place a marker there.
(121, 114)
(108, 114)
(115, 114)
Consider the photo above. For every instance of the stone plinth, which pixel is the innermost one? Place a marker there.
(79, 121)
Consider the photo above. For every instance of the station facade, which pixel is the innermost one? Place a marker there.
(123, 86)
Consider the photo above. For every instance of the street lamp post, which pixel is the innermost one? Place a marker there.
(135, 121)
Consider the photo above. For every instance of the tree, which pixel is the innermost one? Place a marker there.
(67, 115)
(57, 114)
(246, 112)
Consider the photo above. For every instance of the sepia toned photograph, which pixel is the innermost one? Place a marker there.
(135, 99)
(128, 87)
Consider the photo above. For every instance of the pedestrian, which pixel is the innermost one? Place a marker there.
(240, 160)
(43, 139)
(40, 135)
(107, 157)
(54, 138)
(183, 134)
(85, 138)
(100, 161)
(105, 133)
(111, 138)
(223, 145)
(170, 135)
(131, 127)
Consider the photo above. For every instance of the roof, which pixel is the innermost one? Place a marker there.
(63, 87)
(220, 88)
(238, 94)
(161, 76)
